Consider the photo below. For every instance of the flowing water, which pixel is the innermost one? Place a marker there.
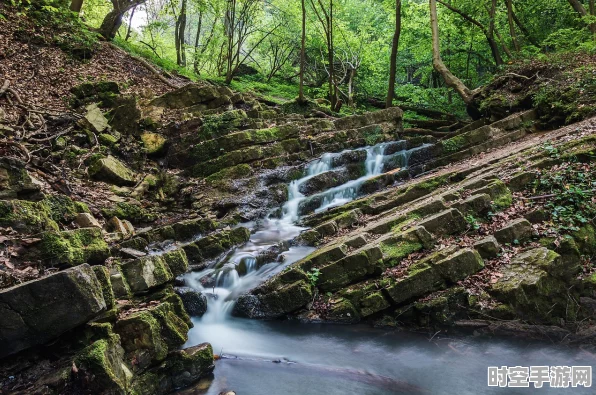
(292, 358)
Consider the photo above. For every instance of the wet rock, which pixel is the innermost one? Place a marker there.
(488, 248)
(445, 223)
(195, 303)
(111, 170)
(188, 229)
(74, 247)
(342, 311)
(327, 229)
(275, 304)
(349, 269)
(367, 298)
(87, 220)
(324, 181)
(176, 261)
(185, 367)
(515, 232)
(36, 312)
(349, 157)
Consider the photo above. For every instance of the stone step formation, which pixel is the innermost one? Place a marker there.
(406, 251)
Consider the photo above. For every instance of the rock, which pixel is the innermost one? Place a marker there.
(104, 92)
(126, 116)
(488, 248)
(191, 228)
(101, 365)
(36, 312)
(26, 216)
(342, 311)
(94, 119)
(185, 367)
(132, 253)
(191, 95)
(347, 270)
(111, 170)
(445, 223)
(460, 265)
(119, 285)
(195, 303)
(176, 261)
(15, 180)
(74, 247)
(115, 225)
(515, 232)
(476, 204)
(145, 273)
(154, 143)
(521, 180)
(420, 280)
(532, 291)
(275, 304)
(87, 220)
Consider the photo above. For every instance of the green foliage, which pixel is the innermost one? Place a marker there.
(313, 276)
(571, 188)
(473, 222)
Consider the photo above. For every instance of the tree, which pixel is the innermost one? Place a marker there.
(393, 59)
(113, 20)
(179, 33)
(488, 32)
(325, 17)
(451, 80)
(301, 98)
(581, 10)
(76, 5)
(512, 25)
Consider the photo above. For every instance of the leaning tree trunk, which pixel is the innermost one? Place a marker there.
(393, 60)
(76, 5)
(451, 80)
(302, 55)
(113, 20)
(512, 25)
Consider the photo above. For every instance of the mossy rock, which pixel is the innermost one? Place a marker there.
(176, 261)
(103, 92)
(154, 143)
(111, 170)
(26, 216)
(141, 338)
(63, 209)
(132, 212)
(15, 181)
(103, 365)
(146, 273)
(103, 276)
(74, 247)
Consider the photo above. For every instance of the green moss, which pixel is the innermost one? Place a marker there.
(586, 239)
(176, 261)
(103, 363)
(173, 329)
(504, 201)
(63, 209)
(393, 253)
(135, 213)
(454, 144)
(239, 236)
(107, 139)
(224, 178)
(376, 136)
(154, 143)
(26, 216)
(103, 276)
(74, 247)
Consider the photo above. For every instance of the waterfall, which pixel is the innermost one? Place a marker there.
(240, 271)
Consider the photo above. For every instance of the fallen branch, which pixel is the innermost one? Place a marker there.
(552, 195)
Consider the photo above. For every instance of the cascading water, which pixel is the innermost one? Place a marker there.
(240, 272)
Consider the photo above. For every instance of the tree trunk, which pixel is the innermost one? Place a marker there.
(393, 60)
(331, 58)
(512, 25)
(581, 10)
(488, 33)
(491, 37)
(132, 14)
(113, 20)
(524, 30)
(197, 37)
(180, 36)
(302, 55)
(76, 5)
(451, 80)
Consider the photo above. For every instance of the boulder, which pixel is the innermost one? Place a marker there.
(488, 248)
(36, 312)
(154, 143)
(74, 247)
(191, 95)
(113, 171)
(445, 223)
(275, 304)
(145, 273)
(94, 119)
(460, 265)
(15, 180)
(515, 232)
(477, 204)
(195, 303)
(87, 220)
(176, 261)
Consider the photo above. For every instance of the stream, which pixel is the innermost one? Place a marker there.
(286, 357)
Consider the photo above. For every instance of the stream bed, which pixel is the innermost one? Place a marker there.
(287, 357)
